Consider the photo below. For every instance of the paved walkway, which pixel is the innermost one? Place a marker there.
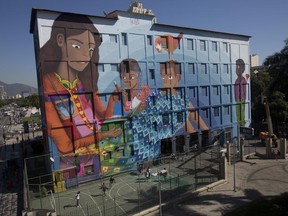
(253, 179)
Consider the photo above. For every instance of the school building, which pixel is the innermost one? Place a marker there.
(153, 89)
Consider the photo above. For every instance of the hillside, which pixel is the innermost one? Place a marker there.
(17, 88)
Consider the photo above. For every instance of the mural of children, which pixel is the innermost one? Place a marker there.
(240, 91)
(130, 77)
(171, 75)
(69, 70)
(76, 51)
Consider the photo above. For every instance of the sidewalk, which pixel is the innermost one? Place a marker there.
(254, 178)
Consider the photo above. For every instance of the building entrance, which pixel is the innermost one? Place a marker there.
(166, 146)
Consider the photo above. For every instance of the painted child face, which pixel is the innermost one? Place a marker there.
(130, 79)
(80, 49)
(170, 79)
(240, 67)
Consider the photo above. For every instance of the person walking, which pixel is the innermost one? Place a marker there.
(77, 196)
(164, 173)
(148, 173)
(111, 181)
(103, 187)
(140, 168)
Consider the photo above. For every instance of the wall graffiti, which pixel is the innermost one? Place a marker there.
(97, 131)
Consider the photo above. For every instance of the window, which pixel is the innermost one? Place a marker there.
(165, 119)
(153, 99)
(132, 149)
(193, 115)
(101, 67)
(125, 67)
(164, 42)
(180, 91)
(179, 117)
(226, 110)
(155, 126)
(177, 68)
(225, 47)
(114, 67)
(113, 38)
(192, 92)
(215, 68)
(203, 69)
(165, 68)
(205, 113)
(152, 73)
(202, 45)
(100, 35)
(215, 90)
(149, 40)
(124, 38)
(204, 91)
(225, 68)
(107, 155)
(214, 46)
(216, 111)
(177, 41)
(191, 68)
(190, 44)
(226, 90)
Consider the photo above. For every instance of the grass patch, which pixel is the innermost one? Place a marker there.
(31, 119)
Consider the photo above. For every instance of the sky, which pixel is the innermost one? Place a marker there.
(264, 20)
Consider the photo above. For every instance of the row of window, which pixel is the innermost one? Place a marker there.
(180, 117)
(190, 43)
(204, 68)
(191, 92)
(204, 113)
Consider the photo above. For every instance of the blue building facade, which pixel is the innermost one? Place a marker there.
(159, 89)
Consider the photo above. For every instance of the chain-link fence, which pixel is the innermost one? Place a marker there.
(134, 193)
(254, 148)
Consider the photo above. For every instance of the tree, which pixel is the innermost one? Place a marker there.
(30, 101)
(278, 108)
(274, 88)
(278, 69)
(259, 83)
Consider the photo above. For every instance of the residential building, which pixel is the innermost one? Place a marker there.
(120, 90)
(254, 60)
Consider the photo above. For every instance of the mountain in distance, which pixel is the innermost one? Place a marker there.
(18, 88)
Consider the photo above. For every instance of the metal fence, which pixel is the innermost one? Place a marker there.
(186, 172)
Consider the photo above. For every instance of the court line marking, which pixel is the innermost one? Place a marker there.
(72, 199)
(116, 203)
(94, 202)
(128, 185)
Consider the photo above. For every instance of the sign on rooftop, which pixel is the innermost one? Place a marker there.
(137, 7)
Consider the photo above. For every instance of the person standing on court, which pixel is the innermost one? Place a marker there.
(77, 196)
(148, 174)
(104, 188)
(164, 173)
(111, 180)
